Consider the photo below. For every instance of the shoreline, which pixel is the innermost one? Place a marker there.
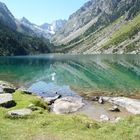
(85, 105)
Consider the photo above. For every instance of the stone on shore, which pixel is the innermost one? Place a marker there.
(100, 101)
(114, 109)
(7, 87)
(131, 105)
(1, 90)
(6, 100)
(51, 100)
(104, 118)
(20, 112)
(67, 105)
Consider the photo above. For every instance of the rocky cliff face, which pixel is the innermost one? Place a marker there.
(94, 16)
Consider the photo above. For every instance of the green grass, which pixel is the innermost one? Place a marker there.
(47, 126)
(126, 31)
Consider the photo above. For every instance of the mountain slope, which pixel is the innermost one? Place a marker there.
(14, 43)
(35, 28)
(6, 17)
(88, 29)
(16, 39)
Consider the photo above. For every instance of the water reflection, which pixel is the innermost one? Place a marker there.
(91, 72)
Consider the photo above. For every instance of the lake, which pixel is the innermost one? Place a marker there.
(83, 73)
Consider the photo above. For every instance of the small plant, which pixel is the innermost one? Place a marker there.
(40, 103)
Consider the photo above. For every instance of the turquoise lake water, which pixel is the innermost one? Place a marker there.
(84, 72)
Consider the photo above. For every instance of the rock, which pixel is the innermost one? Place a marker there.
(51, 100)
(100, 101)
(67, 105)
(7, 87)
(25, 91)
(6, 100)
(1, 90)
(9, 90)
(33, 107)
(131, 105)
(96, 98)
(20, 112)
(114, 109)
(104, 118)
(117, 119)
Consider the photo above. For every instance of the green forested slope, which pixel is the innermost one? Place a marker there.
(14, 43)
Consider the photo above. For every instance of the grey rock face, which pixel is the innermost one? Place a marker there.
(67, 105)
(54, 26)
(6, 100)
(114, 109)
(20, 112)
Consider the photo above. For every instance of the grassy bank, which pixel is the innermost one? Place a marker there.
(42, 125)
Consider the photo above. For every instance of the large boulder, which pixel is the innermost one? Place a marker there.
(131, 105)
(20, 112)
(67, 105)
(6, 100)
(7, 87)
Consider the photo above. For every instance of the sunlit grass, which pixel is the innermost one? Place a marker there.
(42, 125)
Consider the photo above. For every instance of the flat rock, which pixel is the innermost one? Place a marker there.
(20, 112)
(131, 105)
(67, 105)
(6, 100)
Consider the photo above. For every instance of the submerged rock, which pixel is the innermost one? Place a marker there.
(67, 105)
(100, 101)
(114, 109)
(96, 98)
(44, 89)
(6, 100)
(20, 112)
(131, 105)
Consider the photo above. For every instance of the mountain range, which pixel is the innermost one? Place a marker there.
(99, 26)
(46, 30)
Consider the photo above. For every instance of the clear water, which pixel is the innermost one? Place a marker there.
(83, 72)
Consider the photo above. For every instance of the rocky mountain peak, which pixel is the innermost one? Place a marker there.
(25, 21)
